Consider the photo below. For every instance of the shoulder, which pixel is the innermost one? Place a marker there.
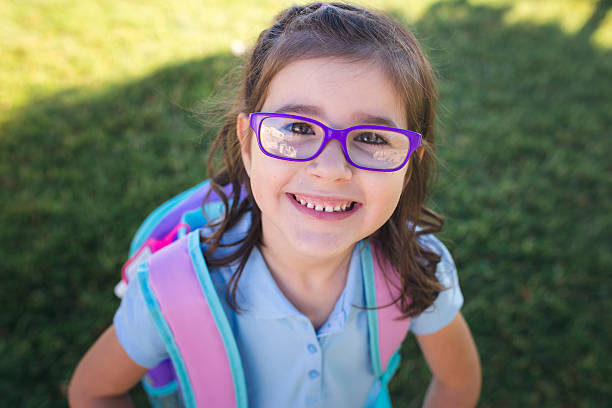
(135, 328)
(449, 300)
(432, 242)
(446, 271)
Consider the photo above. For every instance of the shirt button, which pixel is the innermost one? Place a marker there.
(312, 348)
(313, 374)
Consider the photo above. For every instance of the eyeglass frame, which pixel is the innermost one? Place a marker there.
(257, 118)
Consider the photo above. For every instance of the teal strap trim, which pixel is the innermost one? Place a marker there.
(181, 233)
(160, 391)
(198, 218)
(194, 218)
(213, 210)
(375, 389)
(157, 215)
(193, 242)
(367, 267)
(379, 393)
(383, 400)
(166, 334)
(392, 367)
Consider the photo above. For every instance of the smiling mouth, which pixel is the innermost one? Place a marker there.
(338, 207)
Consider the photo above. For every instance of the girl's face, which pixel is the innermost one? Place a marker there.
(339, 94)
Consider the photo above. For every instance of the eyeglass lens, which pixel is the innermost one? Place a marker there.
(292, 138)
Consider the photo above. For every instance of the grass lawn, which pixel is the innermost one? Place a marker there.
(98, 126)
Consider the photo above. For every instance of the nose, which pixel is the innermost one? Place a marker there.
(331, 163)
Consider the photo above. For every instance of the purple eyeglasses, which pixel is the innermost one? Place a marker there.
(298, 138)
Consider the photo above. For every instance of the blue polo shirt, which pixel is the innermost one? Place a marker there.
(287, 363)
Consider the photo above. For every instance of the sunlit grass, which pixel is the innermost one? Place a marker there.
(52, 45)
(61, 44)
(570, 15)
(602, 37)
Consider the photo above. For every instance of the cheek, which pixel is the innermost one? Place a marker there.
(387, 191)
(267, 176)
(408, 172)
(393, 199)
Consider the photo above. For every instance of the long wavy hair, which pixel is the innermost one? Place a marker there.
(353, 34)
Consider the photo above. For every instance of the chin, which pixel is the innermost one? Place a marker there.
(321, 245)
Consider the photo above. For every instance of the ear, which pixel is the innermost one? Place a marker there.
(420, 151)
(242, 131)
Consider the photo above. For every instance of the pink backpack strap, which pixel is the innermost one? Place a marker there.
(387, 328)
(192, 323)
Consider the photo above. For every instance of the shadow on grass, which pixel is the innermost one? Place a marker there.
(594, 22)
(79, 172)
(525, 186)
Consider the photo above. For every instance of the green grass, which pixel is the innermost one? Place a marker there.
(96, 130)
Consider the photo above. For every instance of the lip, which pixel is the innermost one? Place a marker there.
(324, 198)
(322, 215)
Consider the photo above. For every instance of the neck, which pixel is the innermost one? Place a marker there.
(312, 285)
(305, 270)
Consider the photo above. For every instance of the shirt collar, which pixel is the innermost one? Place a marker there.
(350, 297)
(258, 294)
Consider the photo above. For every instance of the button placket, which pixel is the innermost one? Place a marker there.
(312, 349)
(313, 374)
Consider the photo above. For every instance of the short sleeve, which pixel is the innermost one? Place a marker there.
(136, 330)
(449, 301)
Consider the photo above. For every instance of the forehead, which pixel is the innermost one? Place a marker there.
(336, 91)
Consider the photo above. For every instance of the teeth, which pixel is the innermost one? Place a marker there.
(321, 207)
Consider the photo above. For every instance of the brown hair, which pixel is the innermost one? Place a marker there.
(353, 34)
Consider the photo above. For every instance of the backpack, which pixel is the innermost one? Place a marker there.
(166, 257)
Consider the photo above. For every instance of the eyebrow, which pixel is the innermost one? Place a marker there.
(357, 117)
(300, 109)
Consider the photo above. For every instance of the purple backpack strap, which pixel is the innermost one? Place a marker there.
(200, 343)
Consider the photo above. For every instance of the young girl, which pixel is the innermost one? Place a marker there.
(327, 154)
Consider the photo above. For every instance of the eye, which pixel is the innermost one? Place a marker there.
(300, 128)
(370, 138)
